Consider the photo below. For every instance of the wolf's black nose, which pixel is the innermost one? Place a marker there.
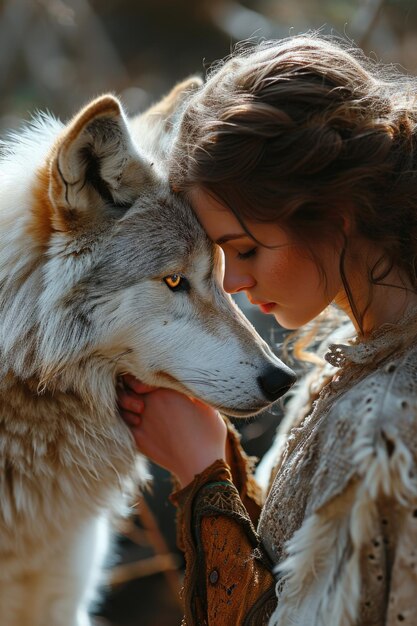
(276, 381)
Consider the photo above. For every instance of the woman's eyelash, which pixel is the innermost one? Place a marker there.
(246, 255)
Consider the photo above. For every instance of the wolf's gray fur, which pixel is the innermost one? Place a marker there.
(90, 229)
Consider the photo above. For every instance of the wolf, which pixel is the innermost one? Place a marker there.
(103, 271)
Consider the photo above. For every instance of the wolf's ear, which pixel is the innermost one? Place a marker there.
(156, 128)
(95, 165)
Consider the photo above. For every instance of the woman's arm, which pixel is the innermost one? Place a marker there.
(228, 577)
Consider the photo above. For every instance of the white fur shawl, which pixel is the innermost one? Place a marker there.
(340, 519)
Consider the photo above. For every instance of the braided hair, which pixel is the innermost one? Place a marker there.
(308, 133)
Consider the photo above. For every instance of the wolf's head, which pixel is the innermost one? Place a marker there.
(108, 271)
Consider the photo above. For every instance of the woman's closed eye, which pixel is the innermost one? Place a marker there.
(246, 255)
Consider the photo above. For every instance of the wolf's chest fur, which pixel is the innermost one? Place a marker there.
(61, 462)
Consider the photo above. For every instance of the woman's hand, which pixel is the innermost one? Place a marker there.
(181, 434)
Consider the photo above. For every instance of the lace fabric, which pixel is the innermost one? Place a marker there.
(371, 349)
(371, 398)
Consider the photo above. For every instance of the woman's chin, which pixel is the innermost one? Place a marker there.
(287, 322)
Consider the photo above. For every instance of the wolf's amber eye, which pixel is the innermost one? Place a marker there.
(176, 282)
(173, 281)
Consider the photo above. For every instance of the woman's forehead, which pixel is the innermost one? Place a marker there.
(202, 200)
(222, 225)
(216, 218)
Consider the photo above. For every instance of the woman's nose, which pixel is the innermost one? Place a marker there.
(235, 280)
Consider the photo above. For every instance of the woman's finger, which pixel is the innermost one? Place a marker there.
(131, 419)
(137, 385)
(130, 401)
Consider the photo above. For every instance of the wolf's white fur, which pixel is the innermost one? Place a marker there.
(89, 229)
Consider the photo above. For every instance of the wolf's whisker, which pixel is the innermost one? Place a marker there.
(117, 357)
(199, 381)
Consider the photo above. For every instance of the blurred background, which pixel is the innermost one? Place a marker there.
(57, 54)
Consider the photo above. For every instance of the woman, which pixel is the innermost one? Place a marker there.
(299, 159)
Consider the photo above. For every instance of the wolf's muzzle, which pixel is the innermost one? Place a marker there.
(275, 381)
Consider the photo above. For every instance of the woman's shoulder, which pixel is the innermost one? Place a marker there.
(384, 398)
(370, 434)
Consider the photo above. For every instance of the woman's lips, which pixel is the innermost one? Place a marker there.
(267, 307)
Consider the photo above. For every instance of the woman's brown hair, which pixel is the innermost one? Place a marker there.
(306, 132)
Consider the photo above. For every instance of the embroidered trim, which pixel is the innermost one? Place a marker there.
(216, 483)
(377, 346)
(222, 498)
(335, 355)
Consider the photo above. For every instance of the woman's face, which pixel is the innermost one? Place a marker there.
(284, 280)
